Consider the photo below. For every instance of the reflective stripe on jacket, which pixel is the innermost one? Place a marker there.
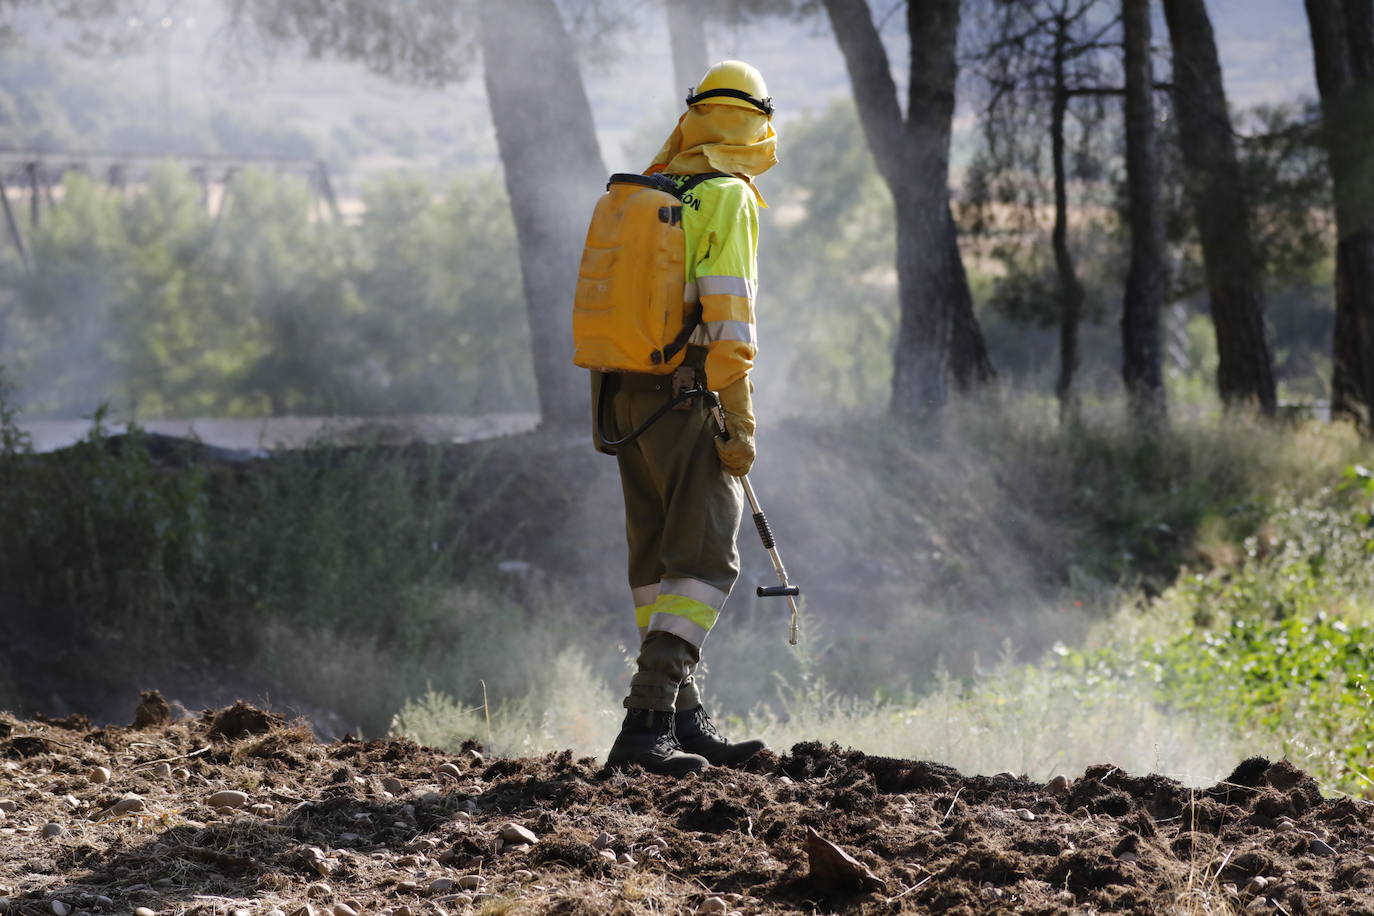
(720, 219)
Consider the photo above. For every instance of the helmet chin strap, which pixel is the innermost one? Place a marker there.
(763, 105)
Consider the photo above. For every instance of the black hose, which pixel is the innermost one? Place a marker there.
(657, 415)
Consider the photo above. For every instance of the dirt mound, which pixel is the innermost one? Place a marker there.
(238, 809)
(152, 710)
(240, 721)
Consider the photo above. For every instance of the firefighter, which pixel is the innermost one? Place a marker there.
(683, 498)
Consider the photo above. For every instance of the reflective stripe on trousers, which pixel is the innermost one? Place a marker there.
(686, 608)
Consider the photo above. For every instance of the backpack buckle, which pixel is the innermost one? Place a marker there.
(684, 380)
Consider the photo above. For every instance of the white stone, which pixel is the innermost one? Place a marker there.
(228, 798)
(515, 833)
(51, 830)
(712, 905)
(470, 882)
(100, 775)
(449, 771)
(128, 804)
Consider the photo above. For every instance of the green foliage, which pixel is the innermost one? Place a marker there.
(334, 547)
(101, 528)
(1283, 162)
(330, 540)
(826, 251)
(164, 309)
(13, 440)
(353, 578)
(453, 330)
(1304, 679)
(1275, 644)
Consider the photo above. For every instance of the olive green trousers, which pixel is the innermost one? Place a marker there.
(682, 516)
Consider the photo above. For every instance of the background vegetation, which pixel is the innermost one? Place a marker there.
(1171, 597)
(1208, 593)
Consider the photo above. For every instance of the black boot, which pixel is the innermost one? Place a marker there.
(646, 738)
(697, 734)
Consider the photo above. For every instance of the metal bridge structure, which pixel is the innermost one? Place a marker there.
(35, 176)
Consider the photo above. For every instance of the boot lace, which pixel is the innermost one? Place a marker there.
(665, 745)
(703, 723)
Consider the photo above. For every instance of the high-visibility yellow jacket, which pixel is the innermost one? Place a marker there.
(720, 219)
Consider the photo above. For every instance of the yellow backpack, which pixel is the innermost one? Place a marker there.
(628, 313)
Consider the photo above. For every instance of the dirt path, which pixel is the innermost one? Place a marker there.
(386, 826)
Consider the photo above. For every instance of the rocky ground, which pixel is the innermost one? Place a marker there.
(237, 811)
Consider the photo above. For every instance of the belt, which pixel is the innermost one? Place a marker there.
(639, 382)
(690, 385)
(694, 361)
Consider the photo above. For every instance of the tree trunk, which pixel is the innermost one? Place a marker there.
(1342, 36)
(969, 362)
(1245, 374)
(687, 33)
(942, 290)
(938, 335)
(554, 174)
(1071, 293)
(1142, 368)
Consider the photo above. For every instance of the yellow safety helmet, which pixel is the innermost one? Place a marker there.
(732, 82)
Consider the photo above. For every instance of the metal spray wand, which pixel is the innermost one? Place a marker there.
(786, 589)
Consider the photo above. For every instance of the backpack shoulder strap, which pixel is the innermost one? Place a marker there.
(657, 182)
(695, 180)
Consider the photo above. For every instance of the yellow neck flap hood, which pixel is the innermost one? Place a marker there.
(720, 138)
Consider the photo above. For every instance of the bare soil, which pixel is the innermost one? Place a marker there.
(372, 826)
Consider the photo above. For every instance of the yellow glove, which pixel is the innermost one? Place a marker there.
(737, 453)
